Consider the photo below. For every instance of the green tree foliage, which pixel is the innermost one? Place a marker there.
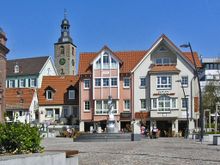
(211, 96)
(19, 138)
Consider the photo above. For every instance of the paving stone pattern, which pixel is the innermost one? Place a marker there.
(148, 151)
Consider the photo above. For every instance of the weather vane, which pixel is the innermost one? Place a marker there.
(65, 13)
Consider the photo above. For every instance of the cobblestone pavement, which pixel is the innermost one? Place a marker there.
(148, 151)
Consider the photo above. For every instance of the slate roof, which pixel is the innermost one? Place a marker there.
(27, 66)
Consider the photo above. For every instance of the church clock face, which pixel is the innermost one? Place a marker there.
(62, 61)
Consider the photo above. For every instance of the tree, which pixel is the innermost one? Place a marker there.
(211, 96)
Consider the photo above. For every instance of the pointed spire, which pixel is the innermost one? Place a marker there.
(65, 13)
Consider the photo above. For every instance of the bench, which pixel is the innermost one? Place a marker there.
(216, 139)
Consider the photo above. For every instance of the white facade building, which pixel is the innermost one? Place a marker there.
(160, 80)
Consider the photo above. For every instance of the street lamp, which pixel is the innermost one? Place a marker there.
(200, 95)
(187, 110)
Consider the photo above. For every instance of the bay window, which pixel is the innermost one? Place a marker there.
(164, 103)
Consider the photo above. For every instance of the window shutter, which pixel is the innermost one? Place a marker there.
(29, 82)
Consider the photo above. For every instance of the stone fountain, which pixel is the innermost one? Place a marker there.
(111, 126)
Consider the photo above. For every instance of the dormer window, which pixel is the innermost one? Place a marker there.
(49, 95)
(71, 94)
(16, 68)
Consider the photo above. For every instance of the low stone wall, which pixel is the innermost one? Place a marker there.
(209, 137)
(47, 158)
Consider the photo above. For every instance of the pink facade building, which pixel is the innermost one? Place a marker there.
(103, 74)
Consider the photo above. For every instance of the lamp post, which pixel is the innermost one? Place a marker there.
(187, 110)
(216, 115)
(201, 112)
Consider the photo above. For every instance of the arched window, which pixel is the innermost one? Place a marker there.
(62, 50)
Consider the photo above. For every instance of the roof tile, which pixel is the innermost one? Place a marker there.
(60, 85)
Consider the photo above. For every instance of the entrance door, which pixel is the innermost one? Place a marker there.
(165, 128)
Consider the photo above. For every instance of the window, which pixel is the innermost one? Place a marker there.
(105, 82)
(114, 82)
(22, 83)
(102, 106)
(105, 104)
(86, 84)
(174, 103)
(113, 63)
(62, 50)
(98, 64)
(97, 82)
(159, 61)
(49, 94)
(164, 103)
(71, 94)
(184, 103)
(99, 104)
(65, 109)
(184, 81)
(154, 103)
(143, 104)
(126, 82)
(166, 61)
(87, 106)
(162, 61)
(126, 104)
(164, 82)
(11, 83)
(106, 61)
(142, 82)
(49, 112)
(16, 68)
(114, 104)
(33, 82)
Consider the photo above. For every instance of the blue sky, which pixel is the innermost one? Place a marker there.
(33, 26)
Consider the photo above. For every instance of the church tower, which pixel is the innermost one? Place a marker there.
(3, 51)
(65, 51)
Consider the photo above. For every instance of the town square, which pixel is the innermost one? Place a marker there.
(115, 82)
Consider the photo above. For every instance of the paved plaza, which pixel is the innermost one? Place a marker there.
(147, 151)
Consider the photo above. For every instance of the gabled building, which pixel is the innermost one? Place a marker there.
(144, 85)
(28, 72)
(21, 105)
(3, 51)
(59, 100)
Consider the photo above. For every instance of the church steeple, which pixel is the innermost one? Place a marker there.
(65, 50)
(65, 32)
